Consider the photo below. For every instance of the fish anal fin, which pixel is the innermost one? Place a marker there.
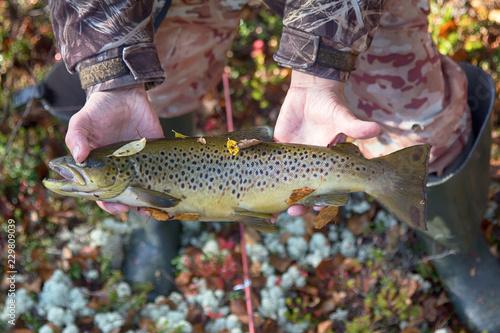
(154, 198)
(347, 147)
(333, 199)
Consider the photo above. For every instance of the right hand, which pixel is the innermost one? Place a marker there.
(315, 112)
(108, 117)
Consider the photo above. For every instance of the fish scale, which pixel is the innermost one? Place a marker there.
(208, 182)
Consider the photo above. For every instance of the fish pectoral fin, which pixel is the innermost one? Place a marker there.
(244, 212)
(154, 198)
(347, 147)
(260, 133)
(332, 199)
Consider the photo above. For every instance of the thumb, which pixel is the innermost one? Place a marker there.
(356, 128)
(77, 138)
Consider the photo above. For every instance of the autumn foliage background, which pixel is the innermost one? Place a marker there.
(378, 294)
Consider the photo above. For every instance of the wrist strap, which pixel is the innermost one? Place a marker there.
(329, 57)
(103, 71)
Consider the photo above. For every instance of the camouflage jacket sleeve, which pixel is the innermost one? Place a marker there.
(109, 43)
(324, 37)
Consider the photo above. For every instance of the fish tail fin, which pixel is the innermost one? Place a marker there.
(406, 194)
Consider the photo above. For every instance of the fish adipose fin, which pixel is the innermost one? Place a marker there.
(406, 196)
(154, 198)
(327, 200)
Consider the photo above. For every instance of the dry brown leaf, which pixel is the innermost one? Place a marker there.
(157, 214)
(298, 194)
(408, 286)
(325, 326)
(325, 216)
(284, 237)
(183, 279)
(280, 264)
(246, 143)
(187, 217)
(252, 236)
(430, 311)
(409, 329)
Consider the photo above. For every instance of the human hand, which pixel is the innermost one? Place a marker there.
(109, 117)
(315, 112)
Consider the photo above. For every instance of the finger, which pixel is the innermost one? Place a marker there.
(140, 211)
(298, 210)
(113, 208)
(77, 138)
(356, 128)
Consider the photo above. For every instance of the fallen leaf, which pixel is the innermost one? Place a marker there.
(325, 216)
(202, 140)
(447, 28)
(157, 214)
(408, 286)
(130, 148)
(409, 329)
(231, 145)
(430, 311)
(179, 135)
(187, 217)
(298, 194)
(246, 143)
(279, 263)
(252, 236)
(325, 326)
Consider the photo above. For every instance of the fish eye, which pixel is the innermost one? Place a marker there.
(81, 165)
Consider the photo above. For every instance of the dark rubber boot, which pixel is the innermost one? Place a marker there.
(153, 244)
(456, 204)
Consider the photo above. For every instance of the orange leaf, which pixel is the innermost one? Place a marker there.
(298, 194)
(325, 216)
(157, 214)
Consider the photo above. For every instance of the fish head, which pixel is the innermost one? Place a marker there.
(99, 177)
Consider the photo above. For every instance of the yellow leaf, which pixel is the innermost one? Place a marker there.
(130, 148)
(179, 135)
(232, 146)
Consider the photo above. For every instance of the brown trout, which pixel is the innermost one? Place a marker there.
(205, 181)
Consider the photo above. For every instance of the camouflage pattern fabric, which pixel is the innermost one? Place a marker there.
(192, 43)
(416, 94)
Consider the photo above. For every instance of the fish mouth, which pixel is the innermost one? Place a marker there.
(69, 175)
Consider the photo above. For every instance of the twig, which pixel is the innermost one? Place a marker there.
(437, 256)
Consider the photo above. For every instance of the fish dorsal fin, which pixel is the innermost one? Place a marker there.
(327, 200)
(347, 147)
(154, 198)
(260, 133)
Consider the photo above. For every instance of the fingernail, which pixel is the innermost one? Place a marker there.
(76, 152)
